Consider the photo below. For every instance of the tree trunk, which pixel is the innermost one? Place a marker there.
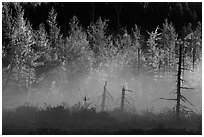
(179, 83)
(8, 77)
(122, 99)
(193, 57)
(104, 98)
(138, 64)
(29, 82)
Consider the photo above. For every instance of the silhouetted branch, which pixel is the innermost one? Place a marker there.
(111, 97)
(173, 91)
(182, 97)
(166, 99)
(186, 88)
(186, 108)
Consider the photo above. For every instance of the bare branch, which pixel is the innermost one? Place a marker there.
(128, 103)
(128, 90)
(183, 80)
(172, 91)
(186, 88)
(166, 99)
(111, 97)
(130, 98)
(186, 100)
(186, 107)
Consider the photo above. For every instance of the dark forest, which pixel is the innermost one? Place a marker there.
(101, 68)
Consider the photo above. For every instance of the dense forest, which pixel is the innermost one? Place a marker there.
(62, 76)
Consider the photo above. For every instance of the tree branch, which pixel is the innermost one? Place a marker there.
(186, 88)
(166, 99)
(182, 97)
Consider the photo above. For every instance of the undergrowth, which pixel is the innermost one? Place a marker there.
(79, 119)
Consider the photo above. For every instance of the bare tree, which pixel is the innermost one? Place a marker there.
(105, 95)
(123, 98)
(180, 84)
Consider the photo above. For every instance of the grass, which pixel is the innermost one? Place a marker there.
(77, 119)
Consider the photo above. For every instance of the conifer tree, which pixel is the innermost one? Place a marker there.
(168, 42)
(154, 52)
(77, 50)
(24, 55)
(55, 38)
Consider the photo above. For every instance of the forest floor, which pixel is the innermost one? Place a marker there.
(28, 120)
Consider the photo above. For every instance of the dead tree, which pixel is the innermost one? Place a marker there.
(180, 85)
(178, 92)
(105, 95)
(123, 98)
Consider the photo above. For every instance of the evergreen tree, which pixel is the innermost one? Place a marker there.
(7, 47)
(77, 52)
(97, 38)
(137, 48)
(154, 52)
(25, 57)
(193, 48)
(168, 41)
(55, 38)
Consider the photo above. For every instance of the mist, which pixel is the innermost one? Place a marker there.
(146, 90)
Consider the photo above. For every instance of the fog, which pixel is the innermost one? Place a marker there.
(146, 89)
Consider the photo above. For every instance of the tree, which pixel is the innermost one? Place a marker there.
(154, 52)
(168, 42)
(97, 37)
(24, 55)
(7, 48)
(136, 41)
(105, 95)
(124, 99)
(77, 52)
(7, 28)
(180, 86)
(180, 83)
(55, 38)
(192, 42)
(43, 47)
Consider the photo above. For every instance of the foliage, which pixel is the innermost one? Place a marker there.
(154, 52)
(25, 57)
(168, 44)
(55, 38)
(77, 53)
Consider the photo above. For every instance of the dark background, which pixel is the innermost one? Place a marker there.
(146, 15)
